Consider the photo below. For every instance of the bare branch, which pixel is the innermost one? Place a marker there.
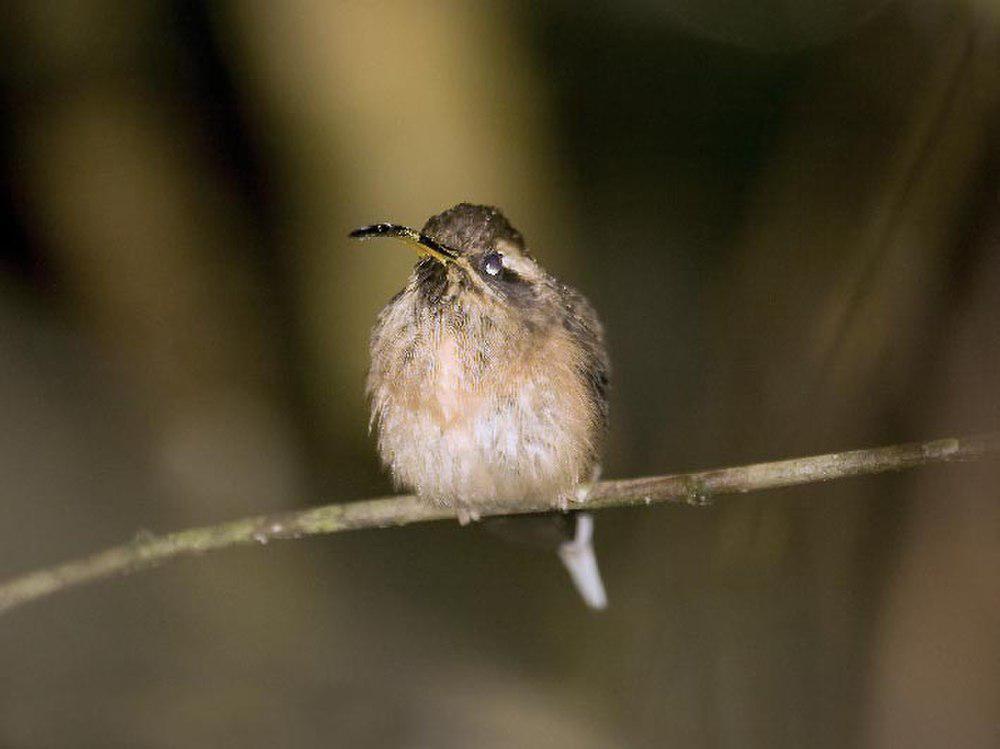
(697, 488)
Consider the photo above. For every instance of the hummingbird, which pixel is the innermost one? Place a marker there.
(488, 382)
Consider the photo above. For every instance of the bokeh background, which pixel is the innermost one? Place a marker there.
(788, 215)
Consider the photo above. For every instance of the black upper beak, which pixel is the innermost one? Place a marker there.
(421, 242)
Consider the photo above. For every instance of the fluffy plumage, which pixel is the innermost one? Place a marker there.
(488, 379)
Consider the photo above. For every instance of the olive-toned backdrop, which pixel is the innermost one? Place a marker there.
(787, 215)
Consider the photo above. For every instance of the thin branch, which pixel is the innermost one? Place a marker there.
(698, 488)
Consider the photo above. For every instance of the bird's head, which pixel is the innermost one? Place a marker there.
(469, 251)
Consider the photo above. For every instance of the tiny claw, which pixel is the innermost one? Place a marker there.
(467, 515)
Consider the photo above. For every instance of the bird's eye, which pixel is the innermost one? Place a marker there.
(493, 263)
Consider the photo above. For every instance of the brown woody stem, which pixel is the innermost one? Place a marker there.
(697, 488)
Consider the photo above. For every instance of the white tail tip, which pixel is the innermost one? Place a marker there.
(581, 563)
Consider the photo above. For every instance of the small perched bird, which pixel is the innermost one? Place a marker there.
(489, 379)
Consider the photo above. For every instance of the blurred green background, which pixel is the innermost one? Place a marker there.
(788, 216)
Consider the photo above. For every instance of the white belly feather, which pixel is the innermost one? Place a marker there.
(463, 444)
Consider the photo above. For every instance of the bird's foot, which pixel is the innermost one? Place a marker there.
(582, 492)
(466, 514)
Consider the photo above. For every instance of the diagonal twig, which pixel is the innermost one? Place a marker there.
(697, 488)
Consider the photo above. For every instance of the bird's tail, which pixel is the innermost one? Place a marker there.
(581, 562)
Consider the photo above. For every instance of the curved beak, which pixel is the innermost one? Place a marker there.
(423, 244)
